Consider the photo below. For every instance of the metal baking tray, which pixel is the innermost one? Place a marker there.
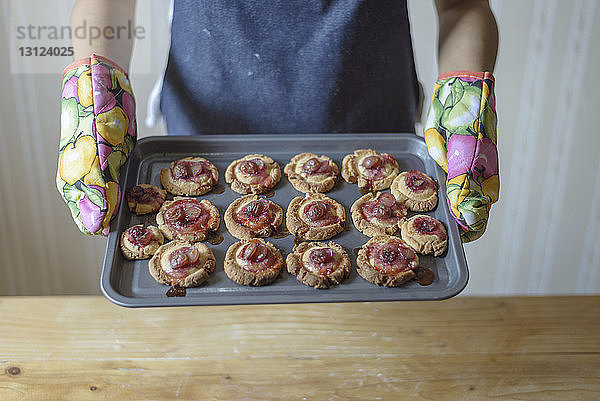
(128, 283)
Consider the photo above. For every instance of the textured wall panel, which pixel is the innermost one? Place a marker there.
(544, 233)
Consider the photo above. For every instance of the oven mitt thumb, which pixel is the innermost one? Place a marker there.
(461, 136)
(98, 131)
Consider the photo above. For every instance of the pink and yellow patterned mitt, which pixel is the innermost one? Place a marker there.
(461, 136)
(98, 132)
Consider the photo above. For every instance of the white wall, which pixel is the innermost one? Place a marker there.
(544, 234)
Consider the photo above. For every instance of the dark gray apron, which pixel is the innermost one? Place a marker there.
(290, 66)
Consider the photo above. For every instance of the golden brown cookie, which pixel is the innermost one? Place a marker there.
(376, 214)
(252, 216)
(372, 170)
(191, 176)
(416, 190)
(187, 219)
(311, 173)
(139, 242)
(182, 263)
(145, 198)
(253, 262)
(315, 217)
(319, 265)
(254, 174)
(387, 261)
(425, 235)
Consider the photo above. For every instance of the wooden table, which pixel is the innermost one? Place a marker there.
(85, 348)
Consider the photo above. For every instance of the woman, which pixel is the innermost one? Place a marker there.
(299, 66)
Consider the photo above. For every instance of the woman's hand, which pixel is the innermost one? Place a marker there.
(461, 124)
(98, 132)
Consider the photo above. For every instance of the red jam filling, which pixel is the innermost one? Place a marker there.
(191, 170)
(429, 226)
(315, 166)
(255, 214)
(322, 259)
(254, 208)
(139, 236)
(140, 194)
(252, 167)
(387, 199)
(374, 166)
(256, 256)
(320, 214)
(257, 172)
(384, 207)
(321, 256)
(417, 181)
(377, 210)
(371, 162)
(187, 215)
(183, 260)
(392, 257)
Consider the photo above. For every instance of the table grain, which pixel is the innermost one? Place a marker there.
(466, 348)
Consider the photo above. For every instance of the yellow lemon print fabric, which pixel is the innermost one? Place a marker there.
(98, 132)
(460, 133)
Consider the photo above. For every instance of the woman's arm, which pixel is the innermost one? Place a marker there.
(108, 16)
(468, 35)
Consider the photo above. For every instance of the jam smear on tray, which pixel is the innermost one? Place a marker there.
(176, 291)
(214, 238)
(282, 233)
(424, 275)
(219, 189)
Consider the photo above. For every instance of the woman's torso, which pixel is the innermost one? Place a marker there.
(290, 66)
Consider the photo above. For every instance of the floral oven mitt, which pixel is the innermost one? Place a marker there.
(461, 136)
(98, 132)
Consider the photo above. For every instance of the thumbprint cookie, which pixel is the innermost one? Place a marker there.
(376, 214)
(372, 170)
(187, 219)
(253, 262)
(416, 190)
(311, 173)
(386, 261)
(319, 265)
(139, 242)
(254, 174)
(252, 216)
(191, 176)
(315, 217)
(425, 235)
(182, 264)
